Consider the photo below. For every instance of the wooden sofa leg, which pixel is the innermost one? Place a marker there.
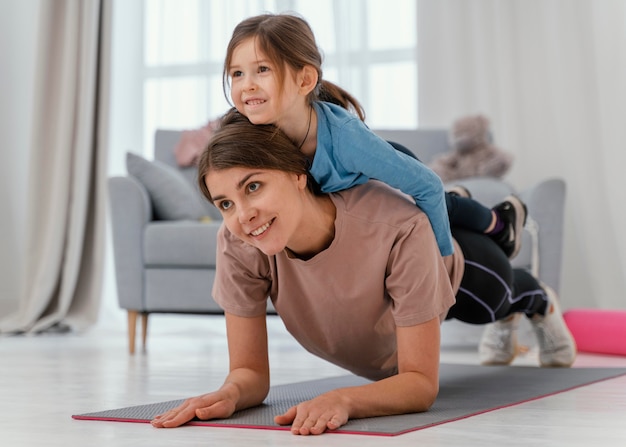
(132, 329)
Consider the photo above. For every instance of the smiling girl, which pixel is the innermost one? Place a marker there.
(273, 75)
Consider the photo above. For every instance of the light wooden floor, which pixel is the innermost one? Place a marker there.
(46, 379)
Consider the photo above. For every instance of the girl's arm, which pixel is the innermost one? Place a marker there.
(246, 385)
(413, 389)
(355, 153)
(377, 159)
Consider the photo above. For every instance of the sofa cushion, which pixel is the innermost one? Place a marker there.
(181, 244)
(172, 197)
(180, 290)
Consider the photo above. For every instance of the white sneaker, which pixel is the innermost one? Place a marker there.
(498, 344)
(556, 344)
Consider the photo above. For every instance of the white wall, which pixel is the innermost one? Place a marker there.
(550, 75)
(18, 20)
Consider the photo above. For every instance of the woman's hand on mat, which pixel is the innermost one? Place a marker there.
(328, 411)
(208, 406)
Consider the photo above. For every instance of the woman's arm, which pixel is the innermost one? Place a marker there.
(246, 385)
(413, 389)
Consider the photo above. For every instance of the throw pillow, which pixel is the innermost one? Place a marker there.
(172, 196)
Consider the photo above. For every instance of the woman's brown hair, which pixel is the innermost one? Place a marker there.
(239, 143)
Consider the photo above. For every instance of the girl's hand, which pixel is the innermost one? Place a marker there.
(328, 411)
(208, 406)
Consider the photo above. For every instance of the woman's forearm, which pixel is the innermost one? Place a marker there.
(409, 392)
(249, 378)
(414, 388)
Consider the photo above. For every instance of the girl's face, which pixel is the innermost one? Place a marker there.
(255, 90)
(262, 207)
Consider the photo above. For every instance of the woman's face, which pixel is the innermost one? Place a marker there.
(262, 207)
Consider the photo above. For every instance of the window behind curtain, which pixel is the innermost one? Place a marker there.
(369, 48)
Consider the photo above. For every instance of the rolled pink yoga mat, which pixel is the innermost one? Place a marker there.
(598, 331)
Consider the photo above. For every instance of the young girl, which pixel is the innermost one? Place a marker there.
(273, 71)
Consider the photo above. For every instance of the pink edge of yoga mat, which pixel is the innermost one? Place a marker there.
(597, 330)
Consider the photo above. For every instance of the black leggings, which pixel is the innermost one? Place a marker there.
(491, 289)
(467, 213)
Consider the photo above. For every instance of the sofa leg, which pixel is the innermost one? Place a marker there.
(132, 329)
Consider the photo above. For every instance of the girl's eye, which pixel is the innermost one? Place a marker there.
(236, 74)
(254, 186)
(224, 205)
(263, 69)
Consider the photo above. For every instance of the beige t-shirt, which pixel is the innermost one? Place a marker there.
(383, 269)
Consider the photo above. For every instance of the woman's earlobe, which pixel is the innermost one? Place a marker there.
(302, 181)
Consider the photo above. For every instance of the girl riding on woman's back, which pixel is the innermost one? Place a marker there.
(273, 72)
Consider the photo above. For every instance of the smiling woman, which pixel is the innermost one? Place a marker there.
(381, 288)
(251, 200)
(271, 210)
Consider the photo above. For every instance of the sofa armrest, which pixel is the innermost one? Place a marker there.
(130, 211)
(546, 206)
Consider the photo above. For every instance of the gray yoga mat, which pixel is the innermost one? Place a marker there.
(465, 390)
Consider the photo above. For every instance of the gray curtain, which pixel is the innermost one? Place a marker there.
(66, 202)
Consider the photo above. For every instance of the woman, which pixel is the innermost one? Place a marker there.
(356, 277)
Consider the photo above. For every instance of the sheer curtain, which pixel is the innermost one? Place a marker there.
(67, 171)
(550, 74)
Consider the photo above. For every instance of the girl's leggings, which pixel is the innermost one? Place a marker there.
(491, 289)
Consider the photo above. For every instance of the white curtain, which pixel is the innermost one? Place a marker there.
(67, 174)
(551, 76)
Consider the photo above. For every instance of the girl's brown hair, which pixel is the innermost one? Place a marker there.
(239, 143)
(287, 39)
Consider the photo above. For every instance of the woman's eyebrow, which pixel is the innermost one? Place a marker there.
(246, 178)
(240, 184)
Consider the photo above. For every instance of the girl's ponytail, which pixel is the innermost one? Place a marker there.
(329, 92)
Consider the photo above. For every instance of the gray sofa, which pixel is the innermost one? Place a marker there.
(167, 265)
